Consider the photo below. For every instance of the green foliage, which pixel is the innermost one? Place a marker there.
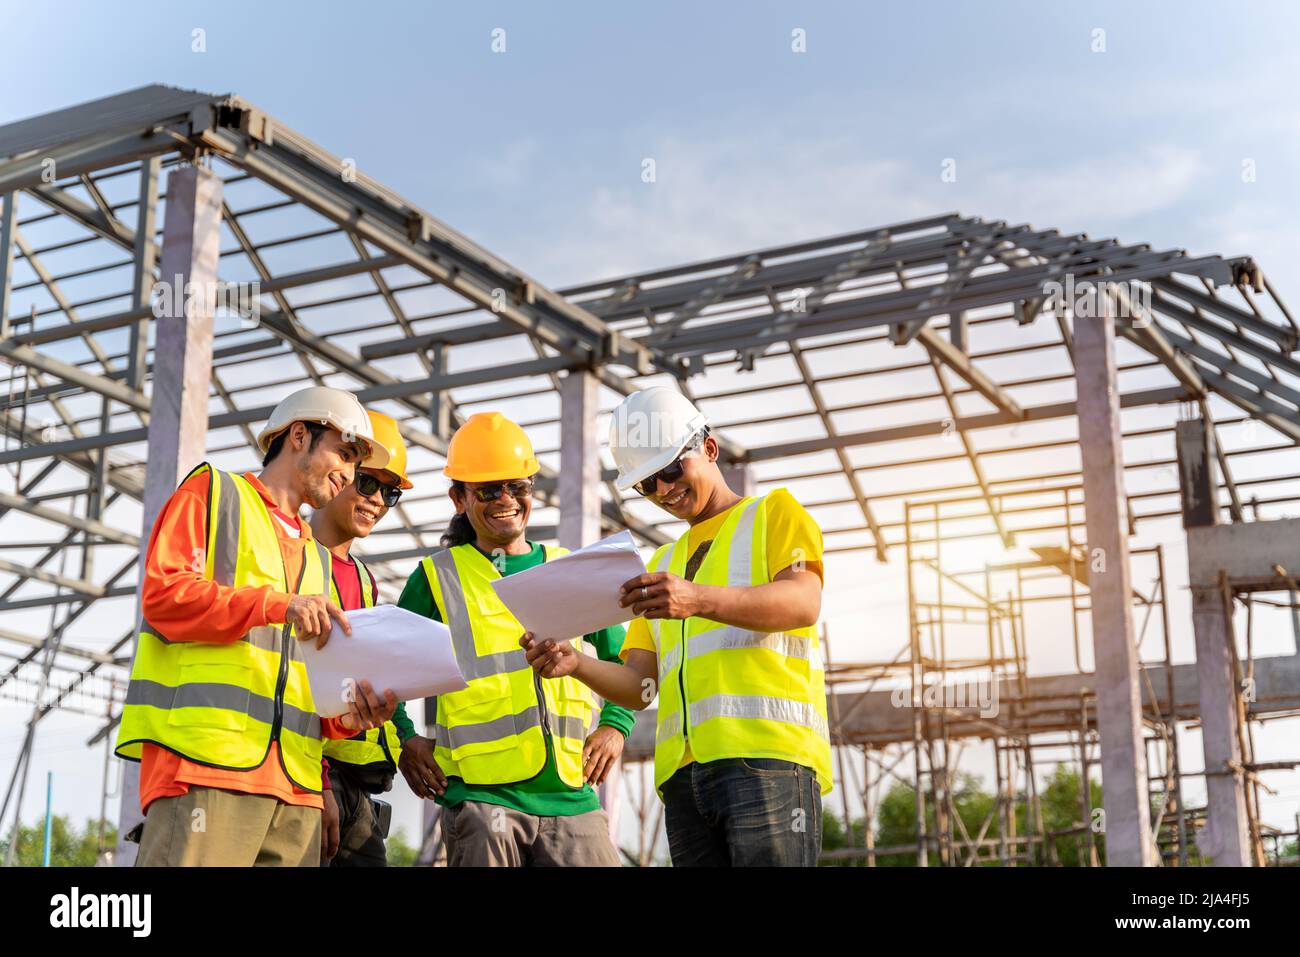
(69, 847)
(895, 824)
(400, 853)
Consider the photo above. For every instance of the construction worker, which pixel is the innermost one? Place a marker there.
(512, 763)
(726, 634)
(219, 712)
(353, 825)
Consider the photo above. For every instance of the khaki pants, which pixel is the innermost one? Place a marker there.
(488, 835)
(208, 827)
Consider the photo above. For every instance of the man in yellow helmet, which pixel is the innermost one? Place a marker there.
(726, 634)
(354, 825)
(511, 762)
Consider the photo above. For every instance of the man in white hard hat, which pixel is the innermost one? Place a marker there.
(727, 637)
(219, 711)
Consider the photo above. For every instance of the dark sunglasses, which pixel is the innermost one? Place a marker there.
(367, 485)
(671, 472)
(521, 489)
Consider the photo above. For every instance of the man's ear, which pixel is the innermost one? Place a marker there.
(711, 449)
(298, 436)
(457, 497)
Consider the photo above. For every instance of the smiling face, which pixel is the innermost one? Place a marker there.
(499, 523)
(691, 494)
(327, 466)
(355, 515)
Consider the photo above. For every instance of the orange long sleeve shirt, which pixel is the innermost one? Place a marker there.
(183, 605)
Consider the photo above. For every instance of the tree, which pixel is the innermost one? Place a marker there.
(69, 847)
(400, 853)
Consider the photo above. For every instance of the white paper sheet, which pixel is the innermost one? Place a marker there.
(574, 595)
(391, 648)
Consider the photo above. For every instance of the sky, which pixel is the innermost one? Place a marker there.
(528, 126)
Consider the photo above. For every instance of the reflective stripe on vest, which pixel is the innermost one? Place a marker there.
(223, 704)
(742, 693)
(377, 748)
(495, 731)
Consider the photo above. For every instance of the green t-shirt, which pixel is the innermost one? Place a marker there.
(545, 794)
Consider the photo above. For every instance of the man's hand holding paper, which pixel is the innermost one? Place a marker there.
(407, 654)
(576, 594)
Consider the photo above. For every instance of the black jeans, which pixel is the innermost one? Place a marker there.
(743, 812)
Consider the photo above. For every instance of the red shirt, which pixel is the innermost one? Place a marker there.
(347, 579)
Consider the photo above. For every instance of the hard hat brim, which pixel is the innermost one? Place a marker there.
(625, 482)
(377, 458)
(531, 467)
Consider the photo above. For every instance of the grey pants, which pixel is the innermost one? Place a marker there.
(361, 842)
(489, 835)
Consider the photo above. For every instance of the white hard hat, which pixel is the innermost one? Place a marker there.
(648, 430)
(333, 407)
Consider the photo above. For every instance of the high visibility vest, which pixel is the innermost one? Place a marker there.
(728, 691)
(495, 731)
(375, 749)
(223, 704)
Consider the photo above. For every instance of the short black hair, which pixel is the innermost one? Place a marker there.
(277, 443)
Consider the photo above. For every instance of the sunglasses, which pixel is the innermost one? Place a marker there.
(521, 489)
(367, 485)
(672, 471)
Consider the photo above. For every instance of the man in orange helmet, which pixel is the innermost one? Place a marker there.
(353, 824)
(511, 762)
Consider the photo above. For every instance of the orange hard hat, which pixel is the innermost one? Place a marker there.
(388, 435)
(490, 448)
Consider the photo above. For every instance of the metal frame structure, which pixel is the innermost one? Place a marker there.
(890, 364)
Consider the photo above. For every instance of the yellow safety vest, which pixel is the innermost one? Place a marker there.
(741, 693)
(375, 749)
(223, 704)
(495, 730)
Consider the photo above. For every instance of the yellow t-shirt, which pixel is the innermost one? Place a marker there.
(792, 535)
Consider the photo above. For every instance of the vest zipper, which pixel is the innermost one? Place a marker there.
(681, 679)
(543, 712)
(281, 680)
(286, 648)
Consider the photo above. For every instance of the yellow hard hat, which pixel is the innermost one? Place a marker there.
(387, 435)
(490, 448)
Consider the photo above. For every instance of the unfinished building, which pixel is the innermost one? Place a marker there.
(937, 382)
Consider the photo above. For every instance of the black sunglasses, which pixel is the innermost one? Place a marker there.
(367, 485)
(673, 470)
(520, 489)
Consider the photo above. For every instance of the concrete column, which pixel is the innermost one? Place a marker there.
(178, 422)
(740, 479)
(439, 402)
(579, 491)
(1226, 838)
(1196, 473)
(579, 480)
(1119, 701)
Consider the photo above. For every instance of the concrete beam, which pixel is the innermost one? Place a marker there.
(182, 377)
(1048, 704)
(1119, 698)
(579, 478)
